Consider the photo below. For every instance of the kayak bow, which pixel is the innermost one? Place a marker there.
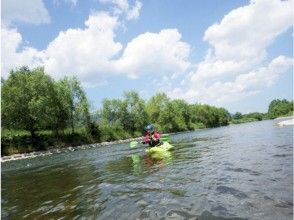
(161, 151)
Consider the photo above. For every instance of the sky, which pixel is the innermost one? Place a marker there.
(232, 54)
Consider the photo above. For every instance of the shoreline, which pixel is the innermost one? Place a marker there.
(62, 150)
(284, 118)
(284, 121)
(53, 150)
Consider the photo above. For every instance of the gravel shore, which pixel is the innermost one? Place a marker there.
(62, 150)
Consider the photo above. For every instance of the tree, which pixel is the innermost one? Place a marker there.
(279, 107)
(175, 116)
(209, 116)
(155, 106)
(28, 100)
(75, 102)
(134, 117)
(237, 115)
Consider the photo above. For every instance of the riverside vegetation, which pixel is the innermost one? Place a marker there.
(39, 112)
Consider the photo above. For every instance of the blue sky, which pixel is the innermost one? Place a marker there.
(233, 54)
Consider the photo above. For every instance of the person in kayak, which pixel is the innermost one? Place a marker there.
(152, 137)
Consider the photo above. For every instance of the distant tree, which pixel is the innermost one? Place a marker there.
(279, 107)
(128, 114)
(255, 115)
(75, 101)
(134, 116)
(155, 106)
(175, 116)
(237, 115)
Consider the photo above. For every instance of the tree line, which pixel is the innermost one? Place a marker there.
(33, 102)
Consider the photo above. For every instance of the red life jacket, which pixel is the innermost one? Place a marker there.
(152, 141)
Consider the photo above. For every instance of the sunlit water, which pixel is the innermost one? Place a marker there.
(235, 172)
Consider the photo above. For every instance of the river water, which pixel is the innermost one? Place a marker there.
(236, 172)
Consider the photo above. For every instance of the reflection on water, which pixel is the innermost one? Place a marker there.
(236, 172)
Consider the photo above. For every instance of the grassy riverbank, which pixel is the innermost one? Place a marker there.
(14, 142)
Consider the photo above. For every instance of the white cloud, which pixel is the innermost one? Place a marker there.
(134, 12)
(238, 49)
(155, 53)
(93, 55)
(29, 11)
(244, 85)
(86, 52)
(240, 40)
(14, 55)
(123, 7)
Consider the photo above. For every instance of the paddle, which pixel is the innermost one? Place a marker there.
(164, 138)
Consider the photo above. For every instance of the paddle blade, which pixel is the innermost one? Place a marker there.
(133, 144)
(165, 138)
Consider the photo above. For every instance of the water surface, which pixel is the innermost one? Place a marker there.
(235, 172)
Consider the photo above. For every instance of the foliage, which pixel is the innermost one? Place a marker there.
(209, 116)
(175, 116)
(155, 107)
(279, 107)
(75, 103)
(28, 100)
(37, 109)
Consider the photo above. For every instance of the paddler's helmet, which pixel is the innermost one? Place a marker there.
(150, 128)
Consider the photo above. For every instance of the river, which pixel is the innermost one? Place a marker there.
(236, 172)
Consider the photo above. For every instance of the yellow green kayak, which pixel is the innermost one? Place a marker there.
(161, 151)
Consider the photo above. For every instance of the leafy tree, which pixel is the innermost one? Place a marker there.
(224, 116)
(28, 100)
(175, 116)
(74, 100)
(155, 106)
(237, 115)
(209, 116)
(134, 116)
(111, 112)
(256, 115)
(279, 107)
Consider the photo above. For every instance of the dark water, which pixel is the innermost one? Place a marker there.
(236, 172)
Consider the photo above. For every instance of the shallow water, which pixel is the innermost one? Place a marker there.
(235, 172)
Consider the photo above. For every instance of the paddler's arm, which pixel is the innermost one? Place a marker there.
(155, 136)
(146, 140)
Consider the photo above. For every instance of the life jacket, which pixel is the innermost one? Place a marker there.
(151, 141)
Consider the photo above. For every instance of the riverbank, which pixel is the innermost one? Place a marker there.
(285, 121)
(53, 150)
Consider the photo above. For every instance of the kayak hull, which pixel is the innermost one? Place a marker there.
(160, 152)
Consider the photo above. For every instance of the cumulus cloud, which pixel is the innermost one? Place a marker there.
(240, 40)
(238, 49)
(242, 86)
(29, 11)
(156, 53)
(123, 7)
(93, 54)
(14, 54)
(235, 66)
(86, 52)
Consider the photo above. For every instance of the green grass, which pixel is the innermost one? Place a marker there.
(20, 141)
(11, 133)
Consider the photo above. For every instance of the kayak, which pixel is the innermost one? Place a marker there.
(161, 151)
